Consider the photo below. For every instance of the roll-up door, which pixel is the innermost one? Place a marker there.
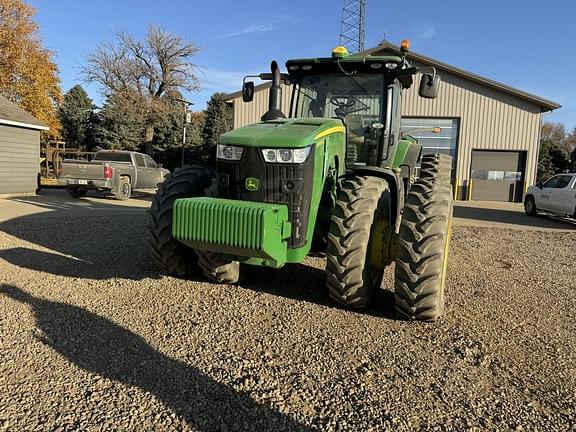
(497, 175)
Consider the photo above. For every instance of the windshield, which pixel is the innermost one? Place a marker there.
(340, 96)
(356, 99)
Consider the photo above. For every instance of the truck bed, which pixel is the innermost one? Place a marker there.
(72, 169)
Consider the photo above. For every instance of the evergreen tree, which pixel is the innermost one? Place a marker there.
(219, 119)
(121, 123)
(170, 125)
(168, 133)
(90, 139)
(554, 154)
(571, 148)
(545, 166)
(573, 161)
(75, 115)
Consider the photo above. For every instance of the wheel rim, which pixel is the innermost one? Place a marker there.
(445, 263)
(529, 205)
(125, 190)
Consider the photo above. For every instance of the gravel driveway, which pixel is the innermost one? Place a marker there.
(93, 338)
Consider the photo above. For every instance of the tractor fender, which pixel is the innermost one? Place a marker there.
(396, 186)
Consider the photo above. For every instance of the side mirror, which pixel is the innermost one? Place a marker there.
(539, 185)
(429, 85)
(248, 91)
(159, 165)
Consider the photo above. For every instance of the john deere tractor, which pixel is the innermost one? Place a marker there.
(336, 177)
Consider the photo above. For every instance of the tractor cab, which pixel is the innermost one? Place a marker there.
(363, 91)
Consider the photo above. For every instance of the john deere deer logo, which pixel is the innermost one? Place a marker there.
(252, 184)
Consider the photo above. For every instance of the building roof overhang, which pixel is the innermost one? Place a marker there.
(386, 47)
(12, 115)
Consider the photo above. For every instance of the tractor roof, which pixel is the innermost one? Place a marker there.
(352, 64)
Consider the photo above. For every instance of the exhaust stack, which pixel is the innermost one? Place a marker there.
(275, 97)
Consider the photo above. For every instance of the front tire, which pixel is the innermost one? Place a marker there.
(423, 242)
(530, 206)
(355, 263)
(172, 256)
(217, 269)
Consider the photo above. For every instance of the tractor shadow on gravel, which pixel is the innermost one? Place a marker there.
(84, 247)
(101, 347)
(305, 283)
(93, 247)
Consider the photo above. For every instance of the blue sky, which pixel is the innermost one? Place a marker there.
(527, 44)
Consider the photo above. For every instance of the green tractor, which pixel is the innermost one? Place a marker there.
(338, 177)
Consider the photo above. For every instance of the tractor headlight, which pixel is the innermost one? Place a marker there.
(227, 152)
(286, 155)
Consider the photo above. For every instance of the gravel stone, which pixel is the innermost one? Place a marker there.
(93, 338)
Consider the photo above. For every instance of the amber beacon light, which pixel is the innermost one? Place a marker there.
(405, 45)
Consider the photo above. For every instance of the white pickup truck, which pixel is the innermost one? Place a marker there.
(557, 195)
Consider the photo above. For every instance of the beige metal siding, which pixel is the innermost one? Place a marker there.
(246, 113)
(489, 119)
(19, 159)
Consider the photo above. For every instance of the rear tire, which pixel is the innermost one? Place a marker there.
(354, 269)
(530, 206)
(124, 189)
(172, 256)
(423, 242)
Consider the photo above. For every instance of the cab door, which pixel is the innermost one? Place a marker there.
(154, 172)
(143, 176)
(567, 195)
(544, 200)
(558, 194)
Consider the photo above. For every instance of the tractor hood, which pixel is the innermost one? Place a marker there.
(283, 133)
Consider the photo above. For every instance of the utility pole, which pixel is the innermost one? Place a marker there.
(186, 122)
(352, 27)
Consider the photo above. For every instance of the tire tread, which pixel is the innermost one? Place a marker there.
(424, 231)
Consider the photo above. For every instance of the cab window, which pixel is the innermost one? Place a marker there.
(150, 162)
(558, 182)
(139, 160)
(564, 181)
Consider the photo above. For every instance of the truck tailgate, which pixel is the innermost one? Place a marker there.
(82, 170)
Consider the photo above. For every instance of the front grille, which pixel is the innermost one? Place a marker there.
(274, 181)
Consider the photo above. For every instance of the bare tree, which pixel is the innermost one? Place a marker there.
(553, 132)
(147, 69)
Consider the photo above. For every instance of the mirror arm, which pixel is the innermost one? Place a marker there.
(249, 76)
(428, 69)
(285, 78)
(407, 71)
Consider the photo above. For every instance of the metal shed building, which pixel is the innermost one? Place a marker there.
(492, 130)
(19, 149)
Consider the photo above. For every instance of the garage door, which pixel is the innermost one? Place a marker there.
(445, 142)
(497, 175)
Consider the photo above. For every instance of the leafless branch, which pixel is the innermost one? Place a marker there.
(150, 67)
